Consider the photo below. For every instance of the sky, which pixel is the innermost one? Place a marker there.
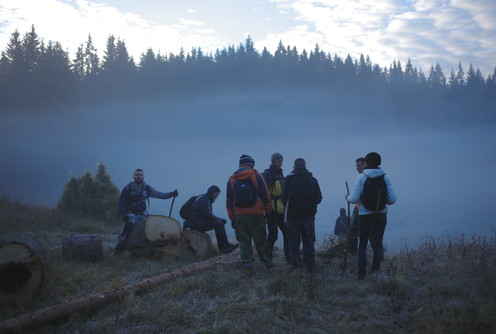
(425, 31)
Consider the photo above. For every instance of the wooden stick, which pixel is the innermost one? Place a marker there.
(348, 241)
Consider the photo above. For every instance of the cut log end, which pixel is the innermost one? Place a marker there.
(158, 236)
(21, 273)
(195, 244)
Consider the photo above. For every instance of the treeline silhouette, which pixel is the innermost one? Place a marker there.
(35, 74)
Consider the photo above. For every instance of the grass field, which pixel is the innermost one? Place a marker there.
(443, 286)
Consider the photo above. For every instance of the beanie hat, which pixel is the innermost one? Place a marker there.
(373, 159)
(300, 163)
(246, 160)
(213, 189)
(275, 157)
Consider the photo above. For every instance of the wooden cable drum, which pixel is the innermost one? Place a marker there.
(195, 244)
(158, 236)
(21, 271)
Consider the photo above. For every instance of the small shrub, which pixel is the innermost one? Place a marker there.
(92, 196)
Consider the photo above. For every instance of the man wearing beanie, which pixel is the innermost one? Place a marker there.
(301, 195)
(202, 219)
(274, 179)
(247, 201)
(374, 191)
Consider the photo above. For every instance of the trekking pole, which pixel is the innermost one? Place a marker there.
(348, 241)
(172, 204)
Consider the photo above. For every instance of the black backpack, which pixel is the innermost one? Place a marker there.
(245, 193)
(303, 191)
(374, 193)
(186, 208)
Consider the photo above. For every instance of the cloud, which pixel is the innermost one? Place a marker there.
(70, 22)
(425, 31)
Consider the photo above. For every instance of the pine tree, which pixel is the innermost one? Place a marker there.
(91, 61)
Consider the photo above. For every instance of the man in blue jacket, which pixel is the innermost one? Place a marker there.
(371, 217)
(132, 206)
(202, 219)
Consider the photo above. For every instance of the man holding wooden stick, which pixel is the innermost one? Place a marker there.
(132, 206)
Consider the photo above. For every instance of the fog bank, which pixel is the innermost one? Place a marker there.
(440, 173)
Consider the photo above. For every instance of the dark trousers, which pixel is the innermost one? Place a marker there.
(301, 230)
(377, 222)
(209, 225)
(132, 218)
(275, 222)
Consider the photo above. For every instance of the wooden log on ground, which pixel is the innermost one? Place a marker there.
(194, 244)
(60, 311)
(21, 269)
(83, 247)
(158, 236)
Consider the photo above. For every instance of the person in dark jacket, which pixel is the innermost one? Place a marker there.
(132, 206)
(341, 227)
(301, 195)
(202, 219)
(274, 179)
(354, 224)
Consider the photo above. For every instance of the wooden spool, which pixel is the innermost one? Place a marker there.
(158, 236)
(83, 247)
(195, 245)
(21, 270)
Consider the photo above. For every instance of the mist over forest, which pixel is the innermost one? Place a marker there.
(185, 119)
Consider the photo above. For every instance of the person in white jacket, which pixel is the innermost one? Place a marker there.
(372, 216)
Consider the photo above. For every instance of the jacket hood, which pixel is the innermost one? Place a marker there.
(243, 172)
(300, 172)
(373, 172)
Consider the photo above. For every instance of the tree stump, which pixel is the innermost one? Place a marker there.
(195, 245)
(83, 247)
(158, 236)
(21, 270)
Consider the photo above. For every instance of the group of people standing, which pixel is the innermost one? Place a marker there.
(261, 204)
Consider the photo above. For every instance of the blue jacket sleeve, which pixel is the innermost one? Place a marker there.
(356, 195)
(157, 194)
(391, 195)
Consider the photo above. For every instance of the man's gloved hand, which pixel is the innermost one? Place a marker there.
(175, 193)
(125, 219)
(223, 221)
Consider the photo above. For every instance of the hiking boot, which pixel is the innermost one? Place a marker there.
(226, 250)
(233, 246)
(248, 266)
(373, 270)
(269, 264)
(116, 252)
(360, 277)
